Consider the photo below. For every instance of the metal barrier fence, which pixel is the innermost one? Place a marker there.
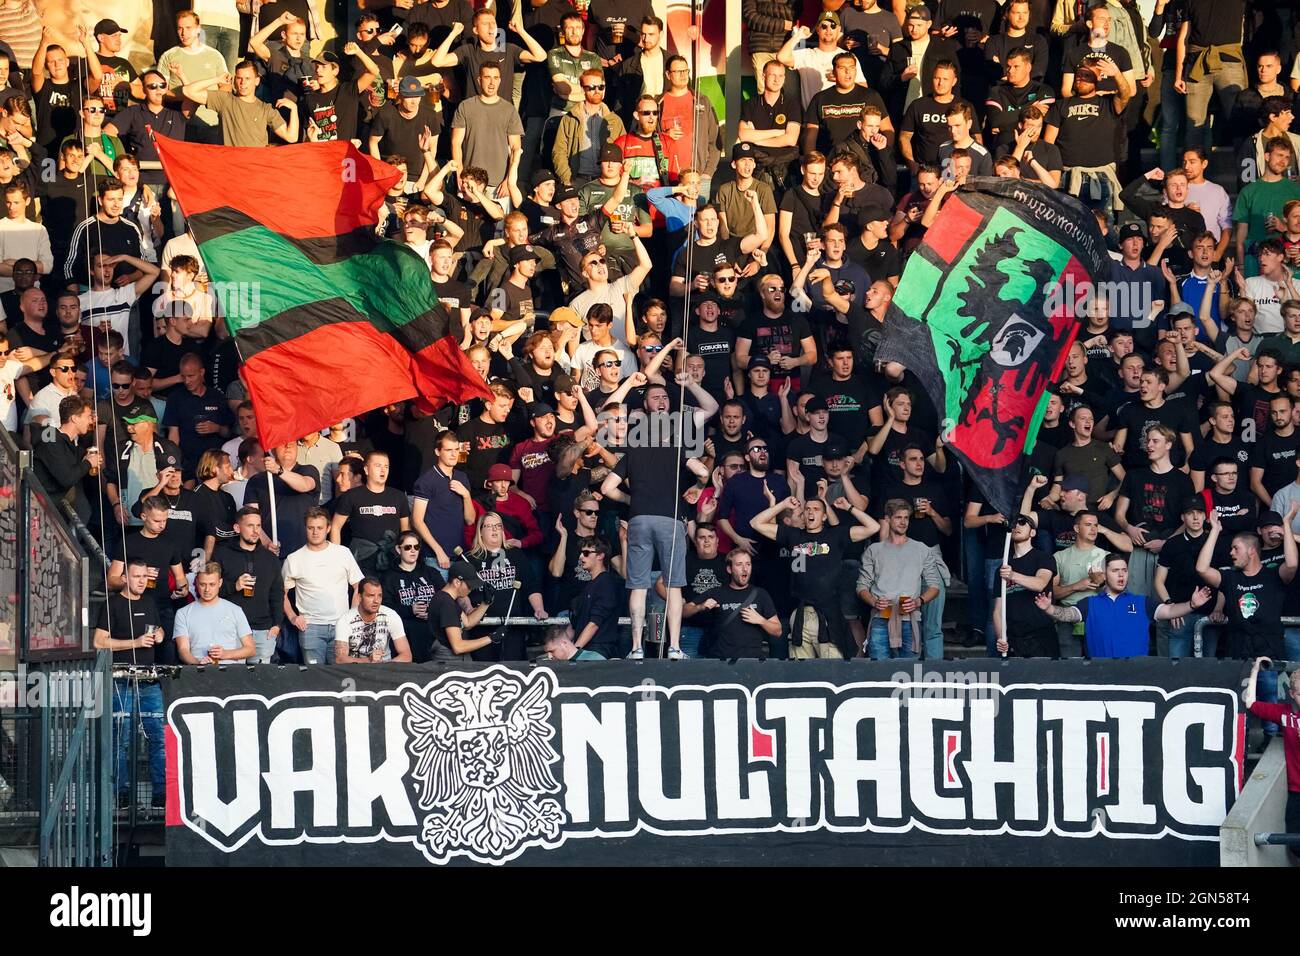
(1198, 632)
(55, 696)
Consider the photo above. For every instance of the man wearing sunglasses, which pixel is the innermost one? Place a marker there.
(1027, 573)
(133, 126)
(102, 146)
(584, 129)
(44, 407)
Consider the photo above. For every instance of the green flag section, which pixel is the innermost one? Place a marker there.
(985, 314)
(330, 321)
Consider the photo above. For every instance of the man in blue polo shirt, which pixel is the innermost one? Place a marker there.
(1117, 623)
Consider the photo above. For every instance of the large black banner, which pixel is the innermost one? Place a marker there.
(1026, 762)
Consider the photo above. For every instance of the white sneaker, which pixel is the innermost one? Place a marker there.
(638, 654)
(677, 654)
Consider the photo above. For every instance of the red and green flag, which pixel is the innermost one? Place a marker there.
(985, 314)
(330, 321)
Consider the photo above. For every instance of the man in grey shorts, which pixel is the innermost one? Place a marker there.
(658, 443)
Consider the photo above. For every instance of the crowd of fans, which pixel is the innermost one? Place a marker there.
(687, 425)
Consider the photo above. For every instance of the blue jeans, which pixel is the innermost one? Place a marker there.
(994, 585)
(932, 627)
(265, 645)
(1291, 643)
(225, 41)
(1173, 114)
(978, 596)
(1266, 693)
(878, 642)
(691, 637)
(144, 703)
(1180, 640)
(317, 644)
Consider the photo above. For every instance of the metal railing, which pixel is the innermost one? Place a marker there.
(1198, 631)
(55, 696)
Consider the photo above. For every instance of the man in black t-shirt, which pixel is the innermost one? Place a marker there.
(1252, 592)
(400, 127)
(782, 337)
(658, 445)
(832, 115)
(1027, 573)
(1135, 420)
(817, 551)
(705, 572)
(128, 625)
(924, 127)
(161, 558)
(1084, 127)
(332, 110)
(1150, 506)
(374, 514)
(1273, 462)
(772, 122)
(1175, 581)
(743, 614)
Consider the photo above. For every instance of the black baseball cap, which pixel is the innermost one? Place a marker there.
(543, 176)
(539, 410)
(464, 571)
(610, 153)
(568, 192)
(835, 450)
(326, 56)
(1075, 484)
(1130, 230)
(816, 404)
(107, 27)
(758, 361)
(1269, 519)
(741, 150)
(521, 253)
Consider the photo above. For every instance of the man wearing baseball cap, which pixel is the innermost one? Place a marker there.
(512, 301)
(815, 63)
(409, 127)
(912, 60)
(577, 234)
(747, 205)
(331, 109)
(630, 218)
(142, 459)
(451, 613)
(119, 82)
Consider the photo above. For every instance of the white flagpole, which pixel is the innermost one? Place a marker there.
(1002, 610)
(270, 490)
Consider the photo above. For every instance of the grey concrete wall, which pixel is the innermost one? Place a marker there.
(1261, 808)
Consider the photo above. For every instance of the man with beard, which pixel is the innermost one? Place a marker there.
(745, 618)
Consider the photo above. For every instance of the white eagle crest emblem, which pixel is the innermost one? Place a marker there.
(481, 757)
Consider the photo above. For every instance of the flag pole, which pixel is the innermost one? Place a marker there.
(1002, 609)
(270, 494)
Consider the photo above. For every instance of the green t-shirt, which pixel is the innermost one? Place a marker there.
(633, 208)
(1255, 203)
(560, 63)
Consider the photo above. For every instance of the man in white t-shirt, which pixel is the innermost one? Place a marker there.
(14, 364)
(364, 634)
(212, 630)
(108, 306)
(316, 578)
(814, 63)
(44, 409)
(595, 272)
(191, 61)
